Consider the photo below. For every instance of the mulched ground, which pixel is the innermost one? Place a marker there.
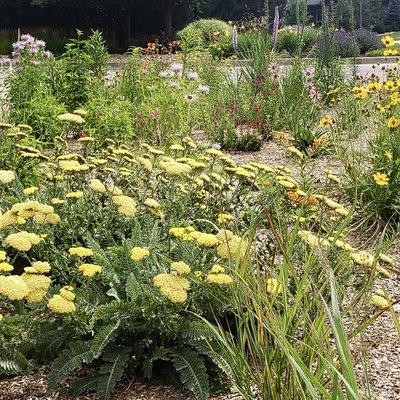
(33, 387)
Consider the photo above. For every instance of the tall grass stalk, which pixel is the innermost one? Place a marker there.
(291, 343)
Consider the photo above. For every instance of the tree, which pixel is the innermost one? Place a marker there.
(343, 14)
(296, 12)
(367, 13)
(391, 17)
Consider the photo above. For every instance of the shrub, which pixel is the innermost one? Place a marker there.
(248, 38)
(343, 44)
(289, 40)
(207, 30)
(367, 40)
(309, 38)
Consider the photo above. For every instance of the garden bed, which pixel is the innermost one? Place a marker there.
(140, 243)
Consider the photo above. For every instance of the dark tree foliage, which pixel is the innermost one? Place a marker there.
(391, 18)
(125, 17)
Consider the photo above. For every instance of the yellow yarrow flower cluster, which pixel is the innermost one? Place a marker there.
(30, 190)
(80, 251)
(13, 287)
(71, 118)
(337, 207)
(125, 205)
(154, 207)
(97, 186)
(366, 259)
(38, 267)
(37, 284)
(6, 176)
(180, 268)
(139, 253)
(231, 246)
(72, 166)
(74, 195)
(6, 267)
(175, 168)
(173, 287)
(63, 303)
(380, 299)
(205, 239)
(20, 212)
(22, 241)
(183, 233)
(89, 270)
(312, 240)
(217, 276)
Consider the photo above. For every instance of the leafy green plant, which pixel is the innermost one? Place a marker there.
(289, 40)
(206, 30)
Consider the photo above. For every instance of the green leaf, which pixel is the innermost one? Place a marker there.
(80, 386)
(9, 366)
(104, 336)
(193, 373)
(70, 359)
(111, 373)
(133, 288)
(159, 354)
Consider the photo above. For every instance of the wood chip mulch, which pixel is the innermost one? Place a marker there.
(34, 387)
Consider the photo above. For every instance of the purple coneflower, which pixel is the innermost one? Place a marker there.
(308, 72)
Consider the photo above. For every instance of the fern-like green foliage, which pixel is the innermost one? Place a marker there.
(74, 357)
(112, 372)
(197, 330)
(50, 343)
(159, 353)
(8, 367)
(86, 384)
(192, 371)
(114, 311)
(104, 336)
(133, 288)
